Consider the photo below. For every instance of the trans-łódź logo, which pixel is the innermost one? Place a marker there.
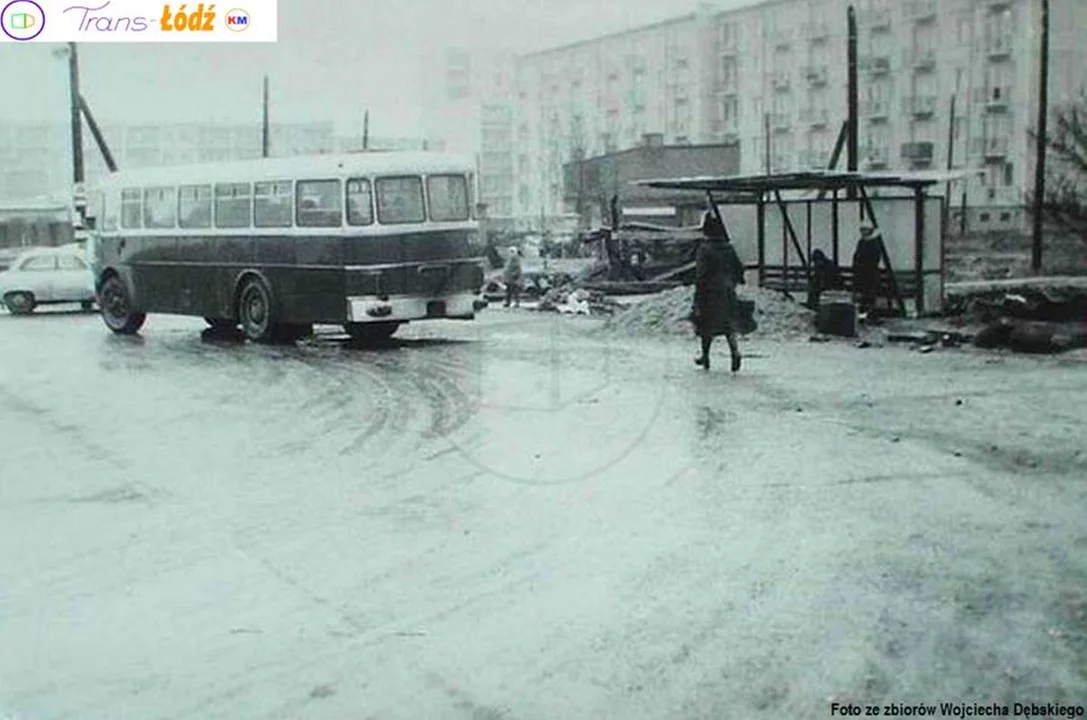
(22, 20)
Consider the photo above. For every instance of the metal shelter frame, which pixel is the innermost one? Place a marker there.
(767, 189)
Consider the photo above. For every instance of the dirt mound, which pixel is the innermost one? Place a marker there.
(666, 314)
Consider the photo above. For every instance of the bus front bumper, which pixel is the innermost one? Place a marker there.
(402, 309)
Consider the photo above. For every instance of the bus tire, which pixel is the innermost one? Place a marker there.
(20, 303)
(371, 332)
(116, 307)
(255, 311)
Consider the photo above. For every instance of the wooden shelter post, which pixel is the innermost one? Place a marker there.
(760, 221)
(834, 228)
(919, 247)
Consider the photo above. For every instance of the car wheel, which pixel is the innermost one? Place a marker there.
(255, 311)
(20, 303)
(117, 310)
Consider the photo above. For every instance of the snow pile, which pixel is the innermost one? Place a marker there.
(667, 313)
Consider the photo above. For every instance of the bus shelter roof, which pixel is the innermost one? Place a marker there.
(813, 180)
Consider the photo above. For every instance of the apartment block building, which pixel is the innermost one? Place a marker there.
(771, 78)
(36, 161)
(468, 108)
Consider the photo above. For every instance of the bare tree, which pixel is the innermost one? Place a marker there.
(1065, 199)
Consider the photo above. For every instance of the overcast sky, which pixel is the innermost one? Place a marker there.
(333, 59)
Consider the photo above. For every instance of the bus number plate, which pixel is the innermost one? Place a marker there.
(435, 308)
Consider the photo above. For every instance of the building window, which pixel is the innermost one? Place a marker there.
(1009, 175)
(984, 217)
(1005, 216)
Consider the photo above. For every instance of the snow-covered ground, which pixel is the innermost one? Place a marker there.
(523, 517)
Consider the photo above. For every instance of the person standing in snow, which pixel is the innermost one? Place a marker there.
(512, 277)
(716, 306)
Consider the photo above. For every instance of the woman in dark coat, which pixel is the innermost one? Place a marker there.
(716, 306)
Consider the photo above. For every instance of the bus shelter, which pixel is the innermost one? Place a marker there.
(779, 221)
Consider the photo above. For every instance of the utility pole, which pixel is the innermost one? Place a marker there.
(1042, 142)
(950, 161)
(366, 130)
(77, 134)
(264, 133)
(851, 139)
(766, 129)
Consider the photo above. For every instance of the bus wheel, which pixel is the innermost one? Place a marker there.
(117, 308)
(255, 311)
(20, 303)
(371, 332)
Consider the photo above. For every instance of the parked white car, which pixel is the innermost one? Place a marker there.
(47, 276)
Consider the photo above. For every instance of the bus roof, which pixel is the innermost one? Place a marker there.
(305, 167)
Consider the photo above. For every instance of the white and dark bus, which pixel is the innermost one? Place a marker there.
(368, 241)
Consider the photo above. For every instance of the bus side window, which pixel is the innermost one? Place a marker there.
(360, 206)
(131, 209)
(400, 200)
(318, 203)
(194, 206)
(448, 198)
(110, 212)
(233, 205)
(160, 207)
(272, 204)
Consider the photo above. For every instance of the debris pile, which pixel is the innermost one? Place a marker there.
(777, 316)
(570, 300)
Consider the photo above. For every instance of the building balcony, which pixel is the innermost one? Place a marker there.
(920, 106)
(816, 74)
(781, 162)
(999, 47)
(877, 64)
(923, 60)
(998, 99)
(996, 148)
(781, 122)
(815, 117)
(815, 159)
(817, 32)
(875, 109)
(730, 137)
(781, 39)
(921, 10)
(781, 81)
(877, 20)
(918, 153)
(875, 157)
